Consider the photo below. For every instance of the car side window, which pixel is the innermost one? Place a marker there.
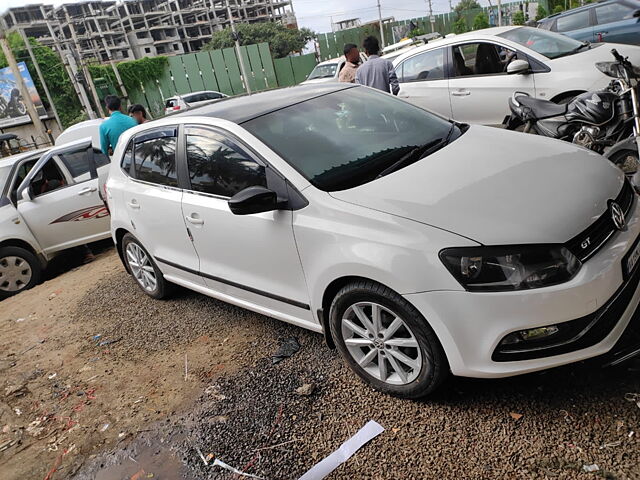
(78, 165)
(127, 159)
(481, 59)
(48, 179)
(154, 159)
(100, 158)
(613, 12)
(574, 21)
(217, 166)
(425, 66)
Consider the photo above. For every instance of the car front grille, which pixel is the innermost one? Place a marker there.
(590, 241)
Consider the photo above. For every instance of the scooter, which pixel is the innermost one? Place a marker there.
(606, 121)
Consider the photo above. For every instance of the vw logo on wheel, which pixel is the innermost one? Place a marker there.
(617, 215)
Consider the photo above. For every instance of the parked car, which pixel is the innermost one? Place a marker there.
(191, 100)
(616, 21)
(470, 77)
(329, 70)
(48, 203)
(413, 243)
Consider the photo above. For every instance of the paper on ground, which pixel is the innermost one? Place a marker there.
(323, 468)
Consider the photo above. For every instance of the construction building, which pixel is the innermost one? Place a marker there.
(101, 31)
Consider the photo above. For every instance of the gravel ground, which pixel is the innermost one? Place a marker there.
(545, 425)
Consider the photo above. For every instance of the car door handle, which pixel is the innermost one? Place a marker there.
(461, 93)
(194, 220)
(134, 204)
(87, 190)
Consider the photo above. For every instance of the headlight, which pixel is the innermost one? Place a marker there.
(493, 269)
(610, 69)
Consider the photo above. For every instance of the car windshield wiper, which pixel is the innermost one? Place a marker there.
(577, 49)
(418, 153)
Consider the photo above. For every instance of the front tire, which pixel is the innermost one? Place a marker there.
(386, 341)
(19, 270)
(143, 269)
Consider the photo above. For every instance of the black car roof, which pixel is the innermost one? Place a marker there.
(243, 108)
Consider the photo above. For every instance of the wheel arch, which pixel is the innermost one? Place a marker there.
(16, 242)
(119, 235)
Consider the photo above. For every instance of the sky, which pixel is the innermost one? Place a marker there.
(315, 14)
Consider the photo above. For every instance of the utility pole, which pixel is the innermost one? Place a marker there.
(81, 91)
(245, 78)
(42, 81)
(26, 96)
(381, 29)
(432, 19)
(499, 13)
(85, 70)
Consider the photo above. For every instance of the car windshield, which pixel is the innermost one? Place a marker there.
(549, 44)
(352, 136)
(327, 70)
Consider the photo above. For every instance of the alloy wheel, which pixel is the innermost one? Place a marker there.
(15, 273)
(141, 267)
(381, 343)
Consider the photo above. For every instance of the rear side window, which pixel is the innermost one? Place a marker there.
(613, 12)
(210, 96)
(192, 98)
(219, 167)
(76, 162)
(127, 158)
(574, 21)
(426, 66)
(100, 158)
(154, 158)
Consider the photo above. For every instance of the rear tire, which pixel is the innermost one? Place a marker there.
(386, 341)
(19, 270)
(143, 269)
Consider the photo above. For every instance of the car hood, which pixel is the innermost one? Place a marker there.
(498, 187)
(599, 53)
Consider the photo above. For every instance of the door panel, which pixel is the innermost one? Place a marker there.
(65, 211)
(423, 81)
(251, 257)
(153, 204)
(479, 87)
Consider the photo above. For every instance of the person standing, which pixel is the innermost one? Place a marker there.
(114, 126)
(138, 113)
(352, 56)
(377, 72)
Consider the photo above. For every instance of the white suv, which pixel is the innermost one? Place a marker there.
(417, 245)
(48, 202)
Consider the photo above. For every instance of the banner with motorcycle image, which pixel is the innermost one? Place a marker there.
(13, 111)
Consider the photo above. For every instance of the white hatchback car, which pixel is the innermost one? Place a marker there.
(190, 100)
(48, 202)
(470, 77)
(417, 245)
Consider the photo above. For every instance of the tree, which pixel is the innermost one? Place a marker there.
(518, 18)
(62, 92)
(416, 32)
(558, 9)
(460, 25)
(282, 40)
(541, 13)
(466, 5)
(480, 21)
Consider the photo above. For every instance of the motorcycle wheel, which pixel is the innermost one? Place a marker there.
(628, 162)
(21, 108)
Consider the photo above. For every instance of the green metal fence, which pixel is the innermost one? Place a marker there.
(293, 70)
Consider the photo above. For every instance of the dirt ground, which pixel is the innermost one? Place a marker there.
(101, 382)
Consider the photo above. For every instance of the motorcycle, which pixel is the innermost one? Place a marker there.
(605, 121)
(15, 107)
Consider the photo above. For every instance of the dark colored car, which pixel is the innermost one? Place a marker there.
(614, 21)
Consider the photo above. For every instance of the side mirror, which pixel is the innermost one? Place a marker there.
(253, 200)
(636, 14)
(27, 193)
(518, 66)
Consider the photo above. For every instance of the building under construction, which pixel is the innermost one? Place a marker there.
(101, 31)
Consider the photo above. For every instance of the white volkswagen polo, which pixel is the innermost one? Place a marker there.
(417, 246)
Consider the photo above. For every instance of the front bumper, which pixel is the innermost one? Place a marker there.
(471, 325)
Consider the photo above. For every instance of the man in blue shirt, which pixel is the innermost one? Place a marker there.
(112, 128)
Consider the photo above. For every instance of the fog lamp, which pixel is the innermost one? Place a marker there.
(529, 335)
